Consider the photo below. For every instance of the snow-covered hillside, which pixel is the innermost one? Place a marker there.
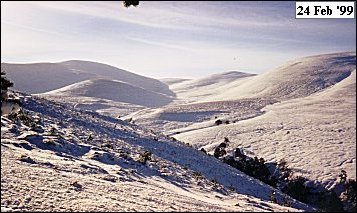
(170, 81)
(297, 78)
(59, 159)
(44, 77)
(113, 73)
(303, 112)
(197, 89)
(316, 134)
(311, 125)
(112, 90)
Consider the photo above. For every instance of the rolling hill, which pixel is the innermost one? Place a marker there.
(112, 90)
(44, 77)
(295, 79)
(303, 112)
(198, 89)
(316, 134)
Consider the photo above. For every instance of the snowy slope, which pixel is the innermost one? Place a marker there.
(311, 124)
(219, 78)
(186, 117)
(297, 78)
(113, 73)
(197, 89)
(316, 134)
(303, 112)
(113, 90)
(44, 77)
(82, 161)
(170, 81)
(236, 96)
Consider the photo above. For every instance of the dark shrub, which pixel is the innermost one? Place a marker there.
(5, 83)
(238, 153)
(327, 201)
(143, 158)
(223, 145)
(219, 152)
(218, 122)
(273, 197)
(203, 150)
(297, 189)
(348, 196)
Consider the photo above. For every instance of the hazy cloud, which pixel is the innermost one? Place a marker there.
(168, 38)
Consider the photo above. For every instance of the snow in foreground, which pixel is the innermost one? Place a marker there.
(81, 161)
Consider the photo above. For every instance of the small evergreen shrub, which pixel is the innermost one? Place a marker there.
(297, 189)
(146, 156)
(5, 83)
(24, 118)
(218, 122)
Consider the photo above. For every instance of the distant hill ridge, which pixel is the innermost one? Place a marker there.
(44, 77)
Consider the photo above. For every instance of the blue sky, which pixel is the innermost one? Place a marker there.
(169, 39)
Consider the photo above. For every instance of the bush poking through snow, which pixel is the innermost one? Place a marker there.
(294, 186)
(348, 196)
(285, 172)
(197, 176)
(203, 150)
(128, 120)
(53, 131)
(273, 197)
(146, 156)
(297, 188)
(326, 201)
(27, 159)
(5, 83)
(220, 150)
(77, 186)
(251, 166)
(23, 117)
(107, 145)
(286, 201)
(343, 176)
(218, 122)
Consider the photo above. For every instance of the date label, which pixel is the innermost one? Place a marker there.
(325, 10)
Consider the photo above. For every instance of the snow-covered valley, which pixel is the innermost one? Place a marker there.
(104, 139)
(82, 161)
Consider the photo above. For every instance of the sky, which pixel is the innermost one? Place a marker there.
(169, 39)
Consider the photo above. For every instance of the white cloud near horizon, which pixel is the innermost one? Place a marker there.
(165, 39)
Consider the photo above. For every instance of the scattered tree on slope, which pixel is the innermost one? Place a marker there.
(5, 84)
(295, 186)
